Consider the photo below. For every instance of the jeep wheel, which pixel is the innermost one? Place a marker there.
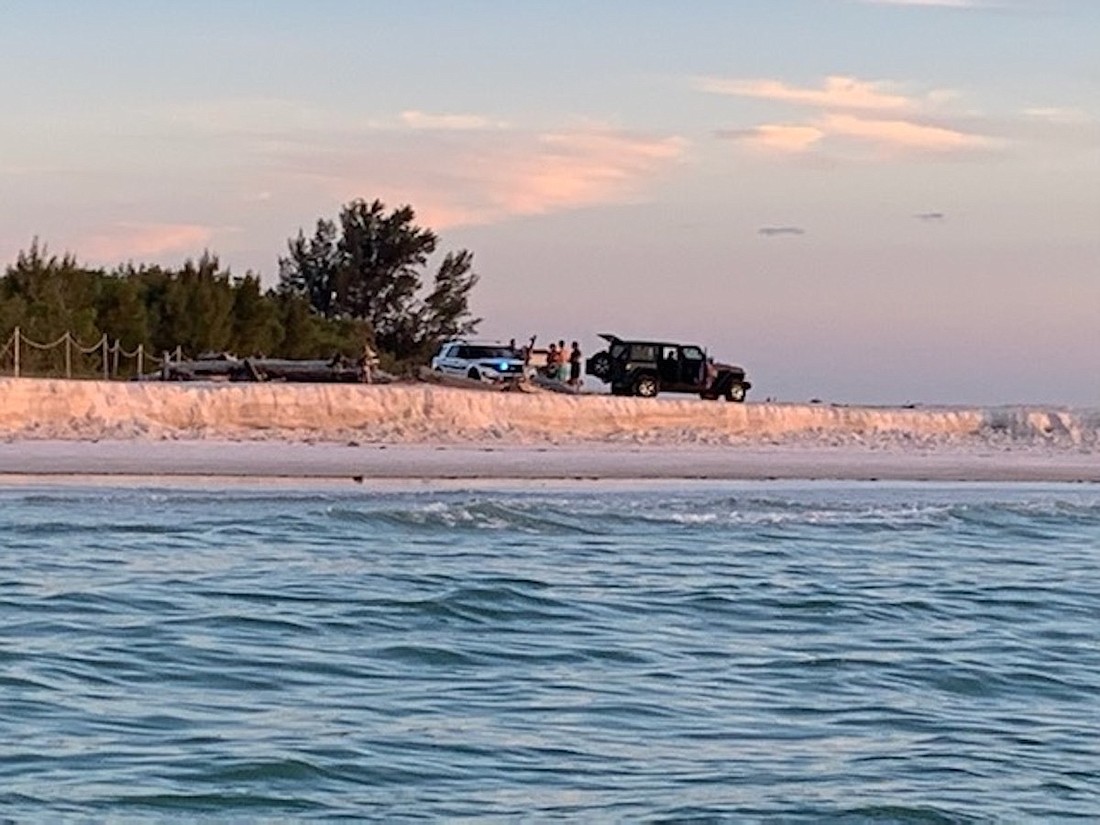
(599, 365)
(736, 393)
(646, 386)
(473, 374)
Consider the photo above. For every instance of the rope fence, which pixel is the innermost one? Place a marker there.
(67, 357)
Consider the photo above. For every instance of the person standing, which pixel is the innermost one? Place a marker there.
(563, 363)
(710, 373)
(368, 362)
(575, 365)
(553, 360)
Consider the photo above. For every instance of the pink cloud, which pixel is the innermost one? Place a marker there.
(852, 110)
(951, 4)
(574, 169)
(447, 122)
(886, 136)
(1058, 115)
(775, 137)
(516, 174)
(837, 92)
(131, 241)
(903, 134)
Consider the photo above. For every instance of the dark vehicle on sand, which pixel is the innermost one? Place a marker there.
(646, 368)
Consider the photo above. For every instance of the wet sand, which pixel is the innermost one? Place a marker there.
(106, 459)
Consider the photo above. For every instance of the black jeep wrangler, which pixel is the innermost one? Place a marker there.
(645, 368)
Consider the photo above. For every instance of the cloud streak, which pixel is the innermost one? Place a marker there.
(852, 114)
(456, 168)
(129, 241)
(776, 137)
(484, 178)
(964, 5)
(557, 172)
(837, 92)
(415, 119)
(569, 169)
(902, 134)
(948, 4)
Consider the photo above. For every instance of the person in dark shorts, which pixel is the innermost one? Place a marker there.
(575, 365)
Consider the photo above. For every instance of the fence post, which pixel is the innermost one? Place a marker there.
(106, 359)
(68, 355)
(116, 352)
(15, 349)
(141, 360)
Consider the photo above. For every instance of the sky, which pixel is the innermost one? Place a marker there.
(859, 201)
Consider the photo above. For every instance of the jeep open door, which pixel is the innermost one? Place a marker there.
(693, 373)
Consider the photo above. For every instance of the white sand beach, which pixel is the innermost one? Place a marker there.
(54, 428)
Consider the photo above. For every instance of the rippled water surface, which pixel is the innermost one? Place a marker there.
(737, 652)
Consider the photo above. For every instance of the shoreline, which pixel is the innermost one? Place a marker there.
(29, 461)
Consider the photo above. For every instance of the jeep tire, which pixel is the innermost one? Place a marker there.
(646, 386)
(736, 392)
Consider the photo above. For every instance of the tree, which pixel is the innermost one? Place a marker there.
(446, 309)
(121, 311)
(56, 295)
(192, 308)
(313, 268)
(200, 307)
(370, 269)
(255, 319)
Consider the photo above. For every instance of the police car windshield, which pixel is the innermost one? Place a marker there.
(489, 352)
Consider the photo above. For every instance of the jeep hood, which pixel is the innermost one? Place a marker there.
(731, 367)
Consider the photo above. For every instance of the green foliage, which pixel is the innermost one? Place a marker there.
(357, 280)
(446, 309)
(313, 269)
(193, 307)
(255, 319)
(301, 328)
(121, 310)
(369, 268)
(199, 308)
(47, 297)
(308, 335)
(55, 295)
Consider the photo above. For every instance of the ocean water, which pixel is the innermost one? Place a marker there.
(587, 652)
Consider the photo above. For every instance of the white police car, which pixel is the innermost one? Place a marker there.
(478, 361)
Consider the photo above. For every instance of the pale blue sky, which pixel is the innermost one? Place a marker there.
(859, 201)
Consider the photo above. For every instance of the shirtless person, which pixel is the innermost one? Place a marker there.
(575, 365)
